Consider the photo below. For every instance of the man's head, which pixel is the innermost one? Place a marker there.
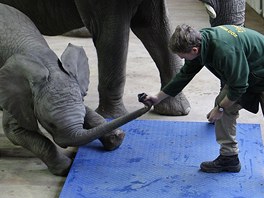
(185, 42)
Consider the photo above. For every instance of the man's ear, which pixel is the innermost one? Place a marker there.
(196, 50)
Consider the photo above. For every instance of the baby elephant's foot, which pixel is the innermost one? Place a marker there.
(113, 140)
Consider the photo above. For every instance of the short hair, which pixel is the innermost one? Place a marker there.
(184, 39)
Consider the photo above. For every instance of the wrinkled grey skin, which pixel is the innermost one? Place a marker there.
(36, 87)
(110, 22)
(227, 12)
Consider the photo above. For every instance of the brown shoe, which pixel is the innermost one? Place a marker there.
(222, 164)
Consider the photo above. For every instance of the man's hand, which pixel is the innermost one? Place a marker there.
(151, 100)
(214, 115)
(155, 99)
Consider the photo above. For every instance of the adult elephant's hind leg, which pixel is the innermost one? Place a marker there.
(41, 146)
(150, 24)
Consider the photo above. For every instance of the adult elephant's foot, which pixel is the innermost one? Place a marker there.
(60, 165)
(111, 111)
(113, 140)
(173, 106)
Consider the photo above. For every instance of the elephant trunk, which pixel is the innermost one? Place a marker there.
(82, 136)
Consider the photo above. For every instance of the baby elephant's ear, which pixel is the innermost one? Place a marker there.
(75, 62)
(17, 77)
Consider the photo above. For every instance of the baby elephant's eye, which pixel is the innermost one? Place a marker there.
(52, 126)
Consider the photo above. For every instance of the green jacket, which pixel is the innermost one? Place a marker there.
(233, 54)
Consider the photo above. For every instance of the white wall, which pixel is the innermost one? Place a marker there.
(263, 8)
(257, 5)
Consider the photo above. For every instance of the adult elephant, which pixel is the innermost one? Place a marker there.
(109, 22)
(222, 12)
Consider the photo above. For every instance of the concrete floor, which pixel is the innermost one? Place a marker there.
(23, 175)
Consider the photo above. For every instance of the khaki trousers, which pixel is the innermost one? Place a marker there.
(225, 128)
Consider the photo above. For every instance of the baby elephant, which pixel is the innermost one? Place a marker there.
(37, 87)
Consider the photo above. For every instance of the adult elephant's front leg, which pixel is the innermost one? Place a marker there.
(109, 24)
(112, 55)
(151, 26)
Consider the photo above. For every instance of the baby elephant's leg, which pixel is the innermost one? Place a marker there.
(37, 143)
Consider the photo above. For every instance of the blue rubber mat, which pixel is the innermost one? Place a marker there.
(161, 159)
